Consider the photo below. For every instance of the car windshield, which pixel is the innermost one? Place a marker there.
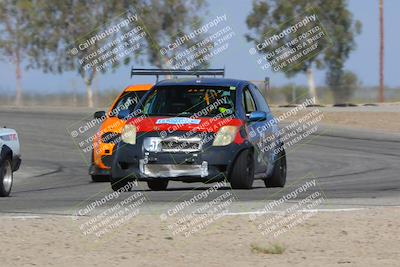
(129, 100)
(184, 101)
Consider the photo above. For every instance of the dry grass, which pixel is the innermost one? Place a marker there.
(271, 249)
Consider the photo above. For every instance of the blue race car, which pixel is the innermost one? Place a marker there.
(200, 130)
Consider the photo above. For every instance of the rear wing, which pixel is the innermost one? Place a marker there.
(178, 72)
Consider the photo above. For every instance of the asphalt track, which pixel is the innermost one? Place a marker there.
(352, 168)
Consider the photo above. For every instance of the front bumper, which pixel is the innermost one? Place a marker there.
(95, 170)
(209, 164)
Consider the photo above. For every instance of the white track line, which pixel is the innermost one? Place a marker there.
(39, 216)
(305, 211)
(23, 217)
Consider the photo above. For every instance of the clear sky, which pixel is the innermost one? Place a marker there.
(363, 61)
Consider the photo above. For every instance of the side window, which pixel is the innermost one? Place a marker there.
(126, 101)
(260, 100)
(147, 104)
(248, 102)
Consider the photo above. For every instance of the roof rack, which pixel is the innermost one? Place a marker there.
(178, 72)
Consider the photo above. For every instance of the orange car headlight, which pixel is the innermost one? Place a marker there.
(129, 134)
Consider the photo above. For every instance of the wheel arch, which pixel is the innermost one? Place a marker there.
(243, 148)
(6, 152)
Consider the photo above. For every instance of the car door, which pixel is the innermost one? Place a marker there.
(267, 129)
(249, 106)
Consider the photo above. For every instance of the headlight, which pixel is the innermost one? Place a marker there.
(129, 134)
(110, 138)
(225, 135)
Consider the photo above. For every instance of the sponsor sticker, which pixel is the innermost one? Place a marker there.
(178, 121)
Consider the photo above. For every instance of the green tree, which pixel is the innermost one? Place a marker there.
(19, 35)
(167, 20)
(273, 16)
(342, 29)
(345, 87)
(70, 24)
(294, 94)
(73, 22)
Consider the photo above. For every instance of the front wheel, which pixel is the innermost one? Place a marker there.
(6, 178)
(278, 176)
(157, 185)
(242, 175)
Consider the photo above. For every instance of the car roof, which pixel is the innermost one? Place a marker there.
(138, 87)
(202, 81)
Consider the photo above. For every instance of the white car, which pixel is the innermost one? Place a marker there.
(10, 159)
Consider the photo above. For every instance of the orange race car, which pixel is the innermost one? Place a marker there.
(110, 130)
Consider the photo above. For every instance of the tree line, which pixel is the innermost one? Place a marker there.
(39, 34)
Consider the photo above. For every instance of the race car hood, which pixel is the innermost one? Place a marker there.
(184, 124)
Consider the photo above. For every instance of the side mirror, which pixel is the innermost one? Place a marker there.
(123, 113)
(99, 114)
(257, 116)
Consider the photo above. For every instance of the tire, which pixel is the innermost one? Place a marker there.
(119, 185)
(278, 176)
(6, 177)
(100, 178)
(157, 185)
(242, 175)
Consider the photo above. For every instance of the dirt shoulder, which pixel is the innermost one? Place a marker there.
(369, 120)
(356, 238)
